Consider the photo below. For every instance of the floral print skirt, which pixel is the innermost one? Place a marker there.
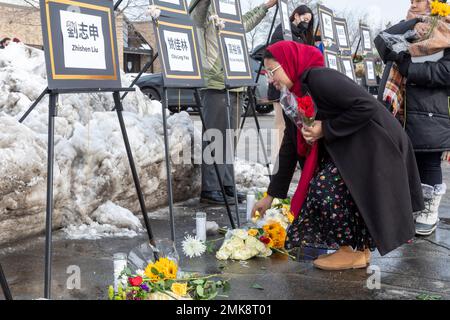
(329, 217)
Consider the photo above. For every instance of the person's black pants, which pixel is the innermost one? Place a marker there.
(430, 168)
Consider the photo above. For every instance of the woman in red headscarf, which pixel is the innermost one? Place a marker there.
(360, 184)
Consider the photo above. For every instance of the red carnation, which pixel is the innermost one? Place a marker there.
(135, 282)
(264, 240)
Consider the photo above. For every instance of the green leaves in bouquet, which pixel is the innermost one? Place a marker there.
(204, 289)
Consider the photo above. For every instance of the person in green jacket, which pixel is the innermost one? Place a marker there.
(214, 98)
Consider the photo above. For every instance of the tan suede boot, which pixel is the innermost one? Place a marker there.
(343, 259)
(366, 252)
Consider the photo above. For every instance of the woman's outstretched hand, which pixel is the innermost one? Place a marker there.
(262, 206)
(314, 133)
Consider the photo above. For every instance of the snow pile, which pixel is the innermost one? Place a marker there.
(251, 176)
(91, 166)
(109, 220)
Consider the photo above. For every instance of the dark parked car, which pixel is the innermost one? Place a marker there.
(182, 99)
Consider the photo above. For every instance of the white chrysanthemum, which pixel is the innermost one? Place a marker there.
(193, 247)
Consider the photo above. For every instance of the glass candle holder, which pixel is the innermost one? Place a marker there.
(200, 223)
(250, 205)
(120, 263)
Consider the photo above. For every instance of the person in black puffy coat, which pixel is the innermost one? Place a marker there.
(426, 114)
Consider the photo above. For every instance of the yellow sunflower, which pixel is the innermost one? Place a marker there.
(149, 273)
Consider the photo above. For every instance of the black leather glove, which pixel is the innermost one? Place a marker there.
(403, 64)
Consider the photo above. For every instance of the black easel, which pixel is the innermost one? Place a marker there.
(251, 92)
(53, 111)
(4, 285)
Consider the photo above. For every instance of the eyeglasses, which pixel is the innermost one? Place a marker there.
(270, 73)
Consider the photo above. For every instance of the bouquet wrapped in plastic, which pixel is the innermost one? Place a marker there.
(301, 110)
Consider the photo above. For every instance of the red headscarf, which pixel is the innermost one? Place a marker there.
(296, 58)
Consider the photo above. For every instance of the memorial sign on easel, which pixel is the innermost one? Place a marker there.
(169, 7)
(81, 48)
(233, 45)
(285, 19)
(229, 11)
(366, 39)
(178, 47)
(81, 56)
(329, 37)
(345, 51)
(367, 50)
(371, 78)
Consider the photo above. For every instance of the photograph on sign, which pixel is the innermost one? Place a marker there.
(179, 55)
(171, 6)
(80, 45)
(235, 58)
(285, 18)
(347, 67)
(229, 10)
(342, 34)
(331, 60)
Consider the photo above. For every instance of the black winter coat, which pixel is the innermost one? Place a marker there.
(371, 151)
(427, 102)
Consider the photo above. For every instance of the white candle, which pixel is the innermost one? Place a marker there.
(120, 263)
(250, 205)
(200, 221)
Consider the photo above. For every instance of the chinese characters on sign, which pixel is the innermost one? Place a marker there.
(236, 55)
(179, 51)
(83, 41)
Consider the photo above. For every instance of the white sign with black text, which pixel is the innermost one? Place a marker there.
(285, 13)
(332, 61)
(83, 41)
(236, 54)
(342, 35)
(367, 40)
(370, 70)
(177, 2)
(178, 51)
(228, 7)
(327, 26)
(348, 68)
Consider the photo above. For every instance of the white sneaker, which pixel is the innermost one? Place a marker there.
(428, 219)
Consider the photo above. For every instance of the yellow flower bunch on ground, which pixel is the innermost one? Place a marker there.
(276, 233)
(440, 9)
(164, 267)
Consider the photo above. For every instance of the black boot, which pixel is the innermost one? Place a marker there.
(215, 197)
(230, 192)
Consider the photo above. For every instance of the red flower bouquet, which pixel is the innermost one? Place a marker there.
(307, 110)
